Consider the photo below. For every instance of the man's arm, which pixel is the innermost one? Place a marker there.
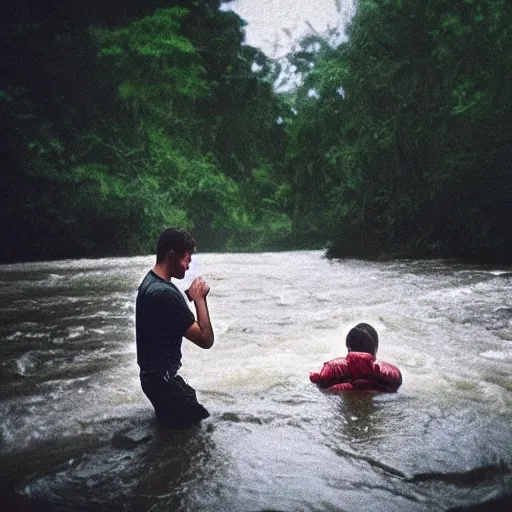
(201, 331)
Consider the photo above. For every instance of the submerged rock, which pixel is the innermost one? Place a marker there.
(467, 478)
(132, 438)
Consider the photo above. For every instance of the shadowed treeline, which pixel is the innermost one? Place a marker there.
(411, 131)
(120, 120)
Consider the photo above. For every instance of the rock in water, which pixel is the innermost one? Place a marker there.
(132, 438)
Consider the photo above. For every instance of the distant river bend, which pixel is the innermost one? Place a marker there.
(78, 434)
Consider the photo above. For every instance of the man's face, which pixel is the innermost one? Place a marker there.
(180, 264)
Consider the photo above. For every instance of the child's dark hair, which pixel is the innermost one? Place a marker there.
(363, 338)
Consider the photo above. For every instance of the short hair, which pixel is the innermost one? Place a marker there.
(363, 338)
(174, 239)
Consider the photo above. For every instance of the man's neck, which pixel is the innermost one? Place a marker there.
(162, 271)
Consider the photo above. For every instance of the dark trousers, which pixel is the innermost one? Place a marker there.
(174, 401)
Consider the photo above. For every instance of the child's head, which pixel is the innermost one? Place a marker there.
(363, 338)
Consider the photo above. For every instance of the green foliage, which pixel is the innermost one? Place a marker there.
(157, 67)
(121, 122)
(416, 145)
(118, 122)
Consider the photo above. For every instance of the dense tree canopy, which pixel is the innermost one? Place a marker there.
(121, 118)
(410, 124)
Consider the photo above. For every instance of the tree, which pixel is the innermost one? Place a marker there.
(419, 130)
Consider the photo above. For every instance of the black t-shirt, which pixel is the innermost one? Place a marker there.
(161, 318)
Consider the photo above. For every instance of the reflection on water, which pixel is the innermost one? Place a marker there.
(78, 434)
(359, 416)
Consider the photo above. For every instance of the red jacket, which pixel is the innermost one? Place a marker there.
(358, 370)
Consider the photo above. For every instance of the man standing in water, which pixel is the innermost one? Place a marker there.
(162, 318)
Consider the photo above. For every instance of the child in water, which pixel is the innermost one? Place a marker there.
(359, 369)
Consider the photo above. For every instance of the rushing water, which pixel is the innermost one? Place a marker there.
(78, 434)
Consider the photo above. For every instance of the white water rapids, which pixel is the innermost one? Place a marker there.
(69, 388)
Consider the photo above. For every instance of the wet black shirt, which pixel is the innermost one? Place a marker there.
(161, 318)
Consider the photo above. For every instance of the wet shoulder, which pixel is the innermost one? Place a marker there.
(154, 286)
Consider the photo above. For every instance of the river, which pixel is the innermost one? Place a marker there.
(77, 433)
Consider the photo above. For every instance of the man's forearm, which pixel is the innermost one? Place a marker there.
(203, 319)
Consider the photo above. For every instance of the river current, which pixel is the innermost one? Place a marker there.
(77, 433)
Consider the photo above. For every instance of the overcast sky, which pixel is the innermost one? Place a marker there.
(271, 22)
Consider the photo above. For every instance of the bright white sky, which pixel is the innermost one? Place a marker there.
(271, 22)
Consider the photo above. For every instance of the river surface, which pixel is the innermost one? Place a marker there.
(77, 433)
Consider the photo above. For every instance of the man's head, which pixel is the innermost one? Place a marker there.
(174, 249)
(363, 338)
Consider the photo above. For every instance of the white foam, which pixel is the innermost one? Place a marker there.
(459, 291)
(7, 435)
(76, 332)
(497, 355)
(15, 335)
